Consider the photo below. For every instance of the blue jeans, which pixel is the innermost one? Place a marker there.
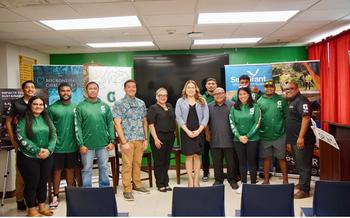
(87, 160)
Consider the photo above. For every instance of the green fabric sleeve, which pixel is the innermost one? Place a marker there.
(77, 124)
(257, 120)
(232, 123)
(25, 142)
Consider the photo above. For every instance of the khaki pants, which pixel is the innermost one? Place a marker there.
(131, 169)
(19, 184)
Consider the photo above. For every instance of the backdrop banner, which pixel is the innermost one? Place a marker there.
(50, 76)
(111, 82)
(6, 96)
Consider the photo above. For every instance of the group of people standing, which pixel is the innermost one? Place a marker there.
(49, 140)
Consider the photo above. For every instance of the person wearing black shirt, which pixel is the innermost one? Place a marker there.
(17, 109)
(300, 138)
(162, 124)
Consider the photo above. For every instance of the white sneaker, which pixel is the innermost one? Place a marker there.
(239, 190)
(54, 203)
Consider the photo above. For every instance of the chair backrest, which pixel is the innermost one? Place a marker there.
(267, 200)
(199, 201)
(332, 198)
(91, 201)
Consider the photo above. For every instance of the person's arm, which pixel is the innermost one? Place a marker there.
(53, 139)
(78, 130)
(10, 132)
(232, 123)
(207, 133)
(257, 120)
(145, 132)
(180, 121)
(110, 129)
(25, 142)
(304, 111)
(204, 121)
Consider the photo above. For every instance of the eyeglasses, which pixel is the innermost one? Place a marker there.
(219, 93)
(162, 95)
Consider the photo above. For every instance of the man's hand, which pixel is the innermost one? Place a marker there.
(145, 144)
(125, 148)
(83, 149)
(158, 143)
(300, 143)
(110, 147)
(289, 148)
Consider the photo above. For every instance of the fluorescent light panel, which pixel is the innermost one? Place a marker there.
(245, 17)
(93, 23)
(226, 41)
(121, 44)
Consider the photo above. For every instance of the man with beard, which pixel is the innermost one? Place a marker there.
(210, 86)
(65, 154)
(17, 109)
(300, 138)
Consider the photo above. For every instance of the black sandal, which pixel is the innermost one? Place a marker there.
(162, 189)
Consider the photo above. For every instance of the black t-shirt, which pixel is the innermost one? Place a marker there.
(298, 107)
(16, 109)
(164, 121)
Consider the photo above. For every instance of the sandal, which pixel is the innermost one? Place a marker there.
(162, 189)
(33, 213)
(46, 212)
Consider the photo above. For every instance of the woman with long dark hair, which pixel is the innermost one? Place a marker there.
(245, 119)
(37, 137)
(192, 115)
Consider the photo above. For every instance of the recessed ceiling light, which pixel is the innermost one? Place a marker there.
(226, 41)
(93, 23)
(245, 17)
(120, 44)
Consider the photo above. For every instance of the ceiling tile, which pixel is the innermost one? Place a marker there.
(9, 16)
(47, 12)
(169, 20)
(21, 27)
(166, 7)
(105, 9)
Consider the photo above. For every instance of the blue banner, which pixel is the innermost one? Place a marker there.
(258, 75)
(50, 76)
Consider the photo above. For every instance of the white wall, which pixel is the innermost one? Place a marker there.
(9, 57)
(9, 78)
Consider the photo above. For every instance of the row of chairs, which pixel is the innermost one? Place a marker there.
(330, 199)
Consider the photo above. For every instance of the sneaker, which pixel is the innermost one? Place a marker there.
(128, 196)
(142, 190)
(239, 190)
(234, 185)
(54, 203)
(217, 183)
(205, 178)
(21, 206)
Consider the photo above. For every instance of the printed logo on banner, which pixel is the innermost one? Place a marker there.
(258, 75)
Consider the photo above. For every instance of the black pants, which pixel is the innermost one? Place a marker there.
(303, 161)
(206, 158)
(161, 158)
(218, 155)
(35, 173)
(247, 153)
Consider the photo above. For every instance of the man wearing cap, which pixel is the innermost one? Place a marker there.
(210, 86)
(300, 138)
(221, 139)
(272, 130)
(244, 81)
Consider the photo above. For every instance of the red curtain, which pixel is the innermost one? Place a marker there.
(333, 54)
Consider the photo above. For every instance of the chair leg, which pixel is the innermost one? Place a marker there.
(149, 164)
(114, 177)
(177, 166)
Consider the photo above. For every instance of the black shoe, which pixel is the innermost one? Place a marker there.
(234, 185)
(217, 183)
(162, 189)
(168, 188)
(21, 206)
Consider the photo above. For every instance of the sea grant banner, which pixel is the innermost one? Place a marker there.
(111, 82)
(50, 76)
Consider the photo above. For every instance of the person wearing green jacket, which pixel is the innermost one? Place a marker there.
(65, 154)
(37, 137)
(95, 134)
(245, 119)
(273, 131)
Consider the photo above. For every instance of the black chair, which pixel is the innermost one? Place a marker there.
(267, 200)
(331, 198)
(201, 201)
(91, 202)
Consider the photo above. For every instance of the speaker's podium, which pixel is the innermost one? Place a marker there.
(334, 163)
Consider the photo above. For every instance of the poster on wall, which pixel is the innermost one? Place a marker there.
(258, 74)
(6, 96)
(111, 82)
(50, 76)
